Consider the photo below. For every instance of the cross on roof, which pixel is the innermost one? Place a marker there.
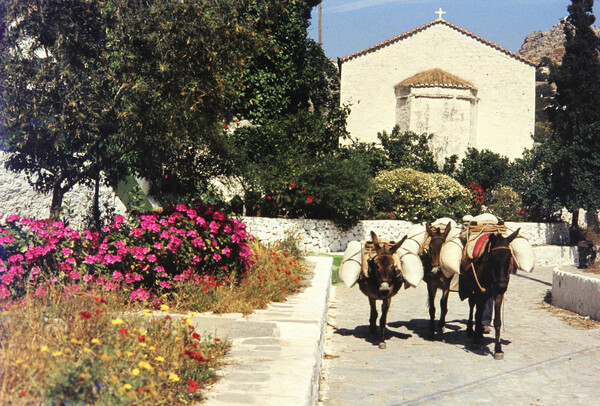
(440, 13)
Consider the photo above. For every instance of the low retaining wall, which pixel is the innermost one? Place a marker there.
(576, 291)
(324, 236)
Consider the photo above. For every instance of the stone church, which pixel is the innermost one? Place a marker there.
(444, 80)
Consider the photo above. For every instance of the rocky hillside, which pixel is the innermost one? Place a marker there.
(547, 43)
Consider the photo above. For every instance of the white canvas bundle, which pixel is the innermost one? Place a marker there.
(351, 265)
(412, 268)
(523, 254)
(451, 253)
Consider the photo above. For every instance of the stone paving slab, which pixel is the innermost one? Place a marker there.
(547, 361)
(276, 353)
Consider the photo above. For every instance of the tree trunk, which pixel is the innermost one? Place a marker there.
(56, 205)
(96, 205)
(575, 233)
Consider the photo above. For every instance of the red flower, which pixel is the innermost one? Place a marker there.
(217, 339)
(192, 385)
(196, 336)
(269, 197)
(85, 315)
(98, 312)
(142, 338)
(123, 331)
(293, 186)
(309, 199)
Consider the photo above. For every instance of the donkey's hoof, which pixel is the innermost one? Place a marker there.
(499, 356)
(442, 329)
(382, 345)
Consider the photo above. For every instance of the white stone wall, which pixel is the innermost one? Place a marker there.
(17, 196)
(576, 292)
(505, 84)
(324, 236)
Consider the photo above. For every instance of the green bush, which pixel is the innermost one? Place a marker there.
(406, 194)
(506, 204)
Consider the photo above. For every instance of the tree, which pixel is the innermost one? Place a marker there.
(118, 86)
(487, 168)
(569, 158)
(408, 150)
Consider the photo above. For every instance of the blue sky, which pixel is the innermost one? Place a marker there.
(353, 25)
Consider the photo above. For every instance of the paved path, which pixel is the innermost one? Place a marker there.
(547, 360)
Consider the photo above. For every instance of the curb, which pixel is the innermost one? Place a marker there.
(277, 353)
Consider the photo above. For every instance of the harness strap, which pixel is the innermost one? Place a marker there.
(351, 258)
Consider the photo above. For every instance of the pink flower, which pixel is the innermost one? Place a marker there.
(216, 257)
(139, 294)
(151, 258)
(4, 292)
(159, 269)
(87, 277)
(109, 287)
(214, 227)
(117, 276)
(227, 251)
(158, 245)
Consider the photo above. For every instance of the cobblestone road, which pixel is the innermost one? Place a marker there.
(548, 361)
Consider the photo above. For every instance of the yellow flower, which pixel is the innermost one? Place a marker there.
(128, 353)
(95, 341)
(19, 361)
(86, 349)
(142, 344)
(127, 386)
(164, 307)
(152, 348)
(189, 321)
(160, 359)
(116, 322)
(145, 365)
(135, 372)
(57, 353)
(105, 357)
(146, 312)
(114, 379)
(44, 349)
(177, 338)
(173, 377)
(75, 341)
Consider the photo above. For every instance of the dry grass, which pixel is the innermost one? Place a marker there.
(571, 318)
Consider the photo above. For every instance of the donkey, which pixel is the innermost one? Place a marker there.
(381, 281)
(434, 277)
(485, 277)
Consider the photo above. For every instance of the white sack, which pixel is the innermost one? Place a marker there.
(412, 268)
(451, 253)
(523, 254)
(351, 263)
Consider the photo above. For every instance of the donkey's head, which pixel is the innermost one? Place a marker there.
(383, 269)
(500, 260)
(437, 239)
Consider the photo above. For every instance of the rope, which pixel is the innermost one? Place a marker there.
(351, 258)
(476, 279)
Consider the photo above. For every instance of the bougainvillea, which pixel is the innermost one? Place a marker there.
(198, 245)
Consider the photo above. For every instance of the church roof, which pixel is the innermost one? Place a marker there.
(436, 78)
(431, 24)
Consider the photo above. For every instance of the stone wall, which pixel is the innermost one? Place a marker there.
(324, 236)
(17, 196)
(577, 292)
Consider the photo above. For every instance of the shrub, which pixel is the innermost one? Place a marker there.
(179, 244)
(414, 196)
(506, 204)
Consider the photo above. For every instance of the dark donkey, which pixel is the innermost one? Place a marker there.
(486, 277)
(381, 281)
(434, 277)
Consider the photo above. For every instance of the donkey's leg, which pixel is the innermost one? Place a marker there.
(444, 303)
(385, 306)
(479, 303)
(498, 354)
(470, 321)
(431, 290)
(373, 316)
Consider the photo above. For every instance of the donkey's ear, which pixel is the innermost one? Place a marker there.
(397, 245)
(493, 238)
(514, 235)
(430, 230)
(447, 230)
(375, 242)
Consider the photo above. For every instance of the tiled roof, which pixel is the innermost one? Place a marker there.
(438, 78)
(426, 26)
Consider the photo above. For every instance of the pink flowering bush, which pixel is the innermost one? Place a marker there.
(180, 244)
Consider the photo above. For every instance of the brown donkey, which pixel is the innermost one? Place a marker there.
(381, 280)
(434, 277)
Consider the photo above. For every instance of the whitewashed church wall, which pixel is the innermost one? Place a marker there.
(17, 196)
(324, 236)
(506, 86)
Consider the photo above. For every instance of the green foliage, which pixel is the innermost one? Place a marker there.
(506, 204)
(406, 194)
(408, 150)
(487, 168)
(568, 159)
(119, 86)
